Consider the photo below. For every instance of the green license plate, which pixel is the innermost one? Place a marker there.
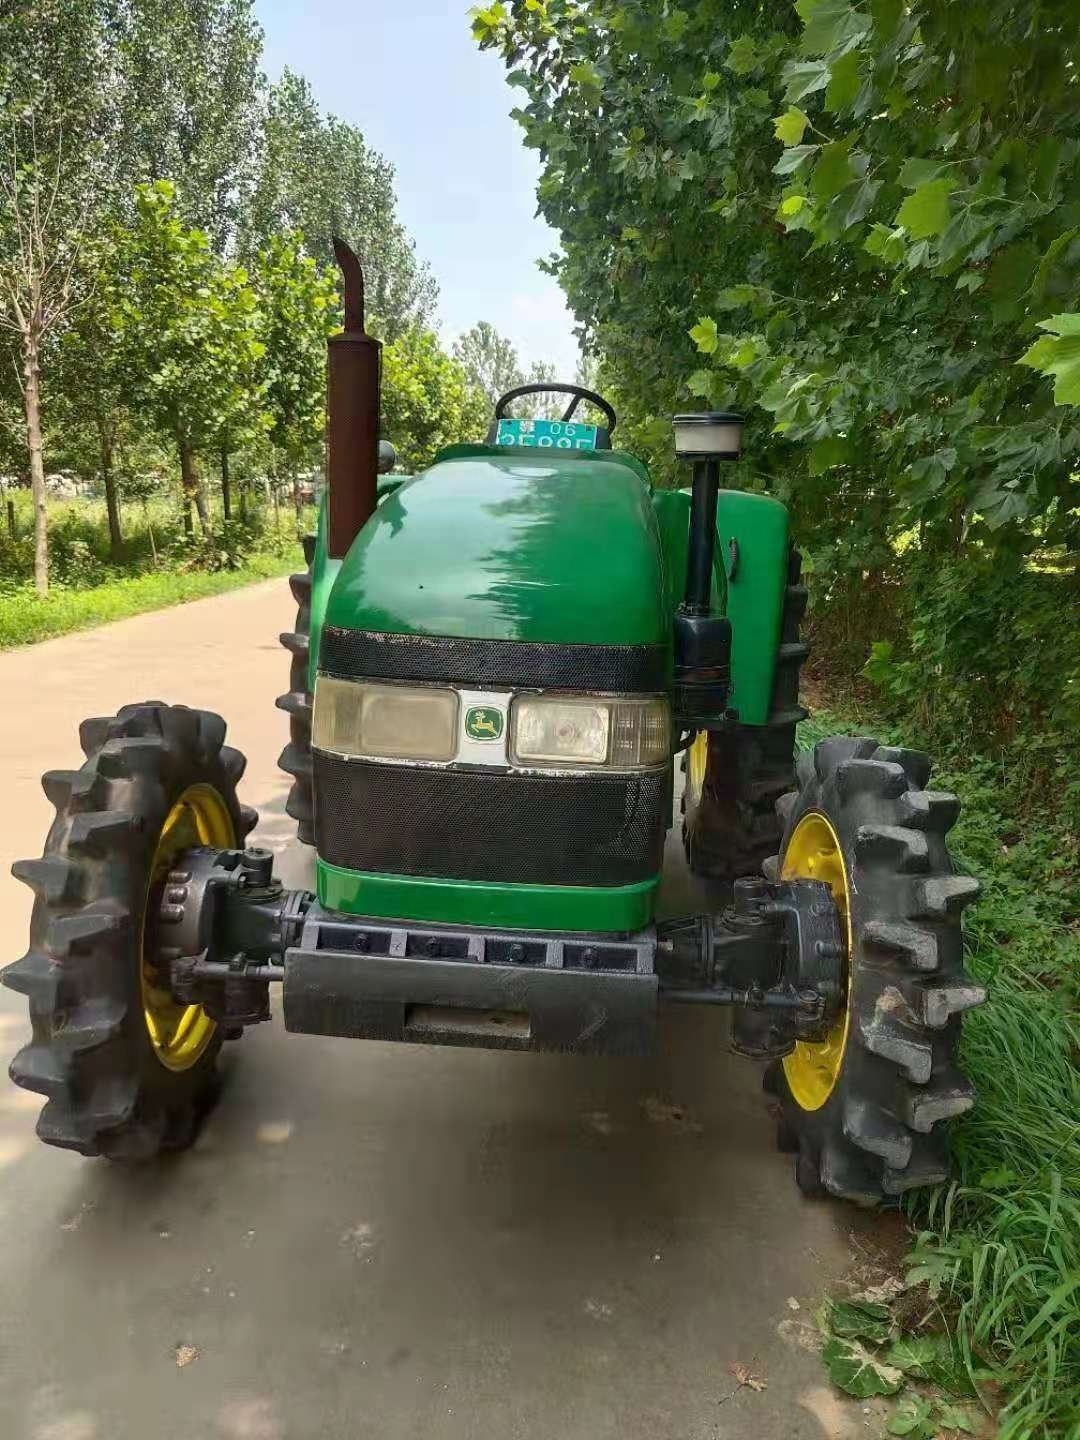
(546, 435)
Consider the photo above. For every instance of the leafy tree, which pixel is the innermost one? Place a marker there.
(187, 97)
(190, 324)
(853, 220)
(54, 129)
(316, 175)
(490, 361)
(428, 400)
(297, 311)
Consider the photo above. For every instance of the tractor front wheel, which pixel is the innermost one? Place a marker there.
(295, 759)
(863, 1107)
(126, 1068)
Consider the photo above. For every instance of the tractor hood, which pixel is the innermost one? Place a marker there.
(490, 544)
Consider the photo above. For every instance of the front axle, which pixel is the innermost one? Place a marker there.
(226, 930)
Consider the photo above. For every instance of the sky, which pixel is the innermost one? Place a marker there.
(409, 74)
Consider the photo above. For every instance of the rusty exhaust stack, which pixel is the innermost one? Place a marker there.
(353, 370)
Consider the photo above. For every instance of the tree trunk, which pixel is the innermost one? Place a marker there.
(298, 504)
(243, 494)
(32, 409)
(226, 493)
(108, 480)
(194, 494)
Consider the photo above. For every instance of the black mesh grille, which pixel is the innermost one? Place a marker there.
(489, 825)
(371, 654)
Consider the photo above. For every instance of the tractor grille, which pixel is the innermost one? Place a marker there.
(490, 825)
(374, 655)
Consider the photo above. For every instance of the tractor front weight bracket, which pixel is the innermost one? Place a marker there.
(225, 930)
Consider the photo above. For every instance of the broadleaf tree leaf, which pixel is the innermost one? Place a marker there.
(828, 24)
(742, 58)
(804, 77)
(1058, 354)
(824, 455)
(705, 335)
(845, 82)
(858, 1372)
(833, 169)
(701, 383)
(925, 212)
(792, 159)
(790, 127)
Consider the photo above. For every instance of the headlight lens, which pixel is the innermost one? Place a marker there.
(617, 734)
(393, 722)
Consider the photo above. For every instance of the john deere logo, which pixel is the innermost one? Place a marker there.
(483, 723)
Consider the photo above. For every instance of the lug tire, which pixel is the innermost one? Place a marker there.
(880, 1131)
(295, 759)
(90, 1054)
(732, 827)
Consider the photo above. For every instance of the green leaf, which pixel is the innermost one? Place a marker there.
(584, 74)
(858, 1372)
(701, 383)
(824, 455)
(803, 78)
(735, 297)
(858, 1319)
(917, 171)
(705, 336)
(913, 1417)
(877, 670)
(791, 205)
(742, 58)
(1058, 354)
(833, 169)
(925, 213)
(845, 82)
(791, 159)
(1068, 324)
(828, 24)
(910, 1353)
(790, 127)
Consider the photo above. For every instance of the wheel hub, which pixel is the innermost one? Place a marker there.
(179, 1032)
(814, 853)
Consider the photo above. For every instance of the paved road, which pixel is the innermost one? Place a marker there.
(384, 1241)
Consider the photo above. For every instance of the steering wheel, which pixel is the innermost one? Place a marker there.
(577, 391)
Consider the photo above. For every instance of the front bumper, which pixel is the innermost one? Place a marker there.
(396, 980)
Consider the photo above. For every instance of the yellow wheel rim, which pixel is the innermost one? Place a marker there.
(180, 1033)
(814, 853)
(697, 757)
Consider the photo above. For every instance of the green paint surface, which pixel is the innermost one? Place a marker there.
(494, 544)
(466, 902)
(755, 596)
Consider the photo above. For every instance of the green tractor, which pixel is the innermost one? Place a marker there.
(496, 667)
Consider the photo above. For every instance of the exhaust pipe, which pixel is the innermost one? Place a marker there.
(353, 373)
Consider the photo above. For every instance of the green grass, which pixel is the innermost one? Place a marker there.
(158, 566)
(1000, 1245)
(26, 617)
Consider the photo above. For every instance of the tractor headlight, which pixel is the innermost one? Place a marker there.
(555, 731)
(392, 722)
